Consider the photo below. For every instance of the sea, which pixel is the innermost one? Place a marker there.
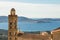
(29, 26)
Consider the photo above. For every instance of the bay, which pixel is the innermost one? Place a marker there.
(28, 26)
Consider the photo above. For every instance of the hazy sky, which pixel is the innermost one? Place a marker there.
(31, 8)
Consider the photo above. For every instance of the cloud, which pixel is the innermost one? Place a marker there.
(31, 10)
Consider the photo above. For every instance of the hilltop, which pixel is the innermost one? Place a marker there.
(25, 19)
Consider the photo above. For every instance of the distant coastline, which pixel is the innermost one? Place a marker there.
(25, 19)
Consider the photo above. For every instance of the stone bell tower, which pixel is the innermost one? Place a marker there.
(12, 25)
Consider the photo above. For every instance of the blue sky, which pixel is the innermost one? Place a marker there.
(31, 8)
(37, 1)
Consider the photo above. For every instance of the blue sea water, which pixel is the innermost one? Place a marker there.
(23, 26)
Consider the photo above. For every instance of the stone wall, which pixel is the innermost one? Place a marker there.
(55, 35)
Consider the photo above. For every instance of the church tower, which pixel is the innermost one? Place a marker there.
(12, 25)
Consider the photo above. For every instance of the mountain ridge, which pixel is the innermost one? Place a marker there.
(25, 19)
